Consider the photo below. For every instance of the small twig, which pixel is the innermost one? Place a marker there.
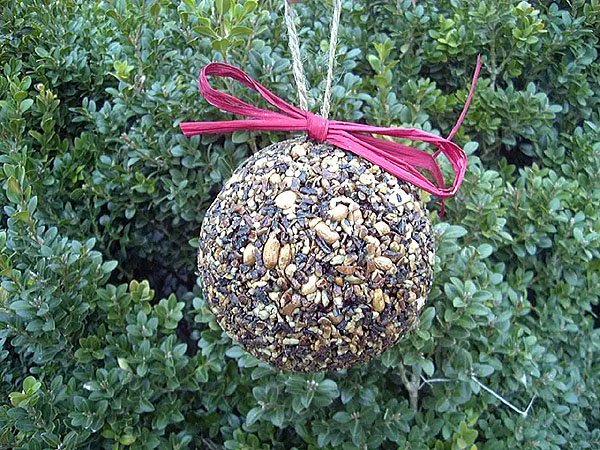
(210, 444)
(523, 413)
(253, 146)
(530, 404)
(502, 399)
(247, 51)
(433, 380)
(411, 386)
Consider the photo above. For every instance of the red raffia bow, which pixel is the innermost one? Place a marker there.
(399, 159)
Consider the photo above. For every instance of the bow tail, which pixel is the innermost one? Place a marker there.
(227, 126)
(398, 159)
(398, 153)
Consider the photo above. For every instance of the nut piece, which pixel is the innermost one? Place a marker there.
(314, 221)
(346, 270)
(263, 314)
(286, 200)
(399, 198)
(298, 151)
(378, 301)
(324, 299)
(290, 270)
(326, 233)
(275, 179)
(248, 256)
(382, 228)
(384, 263)
(357, 217)
(271, 252)
(338, 213)
(337, 260)
(413, 247)
(310, 286)
(285, 256)
(367, 179)
(290, 307)
(335, 319)
(325, 327)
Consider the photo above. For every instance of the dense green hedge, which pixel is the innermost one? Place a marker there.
(100, 191)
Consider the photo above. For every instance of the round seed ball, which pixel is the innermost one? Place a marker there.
(315, 259)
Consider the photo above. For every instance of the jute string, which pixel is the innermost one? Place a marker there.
(297, 66)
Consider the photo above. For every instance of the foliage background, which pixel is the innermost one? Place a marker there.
(101, 192)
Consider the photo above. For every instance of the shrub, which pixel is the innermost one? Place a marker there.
(101, 192)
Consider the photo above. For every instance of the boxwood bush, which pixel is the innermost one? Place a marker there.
(105, 339)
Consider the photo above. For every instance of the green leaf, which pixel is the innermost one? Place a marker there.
(572, 398)
(342, 417)
(427, 367)
(240, 137)
(470, 147)
(16, 398)
(31, 385)
(374, 62)
(22, 216)
(144, 406)
(485, 250)
(127, 439)
(240, 31)
(484, 370)
(235, 352)
(390, 358)
(42, 52)
(25, 104)
(222, 6)
(109, 266)
(123, 364)
(454, 232)
(254, 414)
(221, 45)
(13, 190)
(427, 317)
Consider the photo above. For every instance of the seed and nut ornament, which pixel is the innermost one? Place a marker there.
(318, 253)
(313, 258)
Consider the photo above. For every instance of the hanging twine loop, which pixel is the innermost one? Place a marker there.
(335, 25)
(298, 67)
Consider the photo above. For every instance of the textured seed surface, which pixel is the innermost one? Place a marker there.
(314, 259)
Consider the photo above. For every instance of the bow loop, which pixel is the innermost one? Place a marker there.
(228, 102)
(405, 162)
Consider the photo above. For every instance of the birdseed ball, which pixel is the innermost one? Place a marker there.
(313, 258)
